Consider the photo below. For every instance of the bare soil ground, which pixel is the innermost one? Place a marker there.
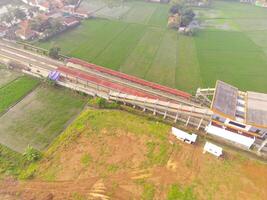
(105, 162)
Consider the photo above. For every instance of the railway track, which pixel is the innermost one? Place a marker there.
(99, 81)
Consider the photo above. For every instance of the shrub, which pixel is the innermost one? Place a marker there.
(29, 172)
(32, 154)
(102, 103)
(175, 192)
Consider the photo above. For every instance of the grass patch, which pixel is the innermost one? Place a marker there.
(86, 159)
(77, 196)
(148, 191)
(112, 168)
(16, 90)
(157, 153)
(175, 192)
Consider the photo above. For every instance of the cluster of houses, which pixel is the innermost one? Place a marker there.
(259, 3)
(41, 19)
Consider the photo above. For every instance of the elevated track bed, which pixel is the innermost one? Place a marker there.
(132, 79)
(97, 82)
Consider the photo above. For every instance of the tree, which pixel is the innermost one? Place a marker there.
(8, 18)
(187, 16)
(55, 25)
(32, 154)
(176, 9)
(19, 14)
(54, 52)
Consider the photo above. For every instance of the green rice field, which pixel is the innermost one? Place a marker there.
(15, 90)
(231, 46)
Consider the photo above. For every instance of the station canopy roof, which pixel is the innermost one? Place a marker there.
(225, 99)
(256, 109)
(225, 103)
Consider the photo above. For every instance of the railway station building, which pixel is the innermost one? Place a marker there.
(238, 116)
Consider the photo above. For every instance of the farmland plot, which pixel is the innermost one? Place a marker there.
(188, 69)
(38, 118)
(162, 69)
(231, 46)
(140, 59)
(92, 6)
(234, 58)
(7, 76)
(140, 13)
(160, 16)
(92, 38)
(119, 49)
(113, 12)
(15, 90)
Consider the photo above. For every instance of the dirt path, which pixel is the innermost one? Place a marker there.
(91, 188)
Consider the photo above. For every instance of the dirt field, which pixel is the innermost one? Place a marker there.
(102, 156)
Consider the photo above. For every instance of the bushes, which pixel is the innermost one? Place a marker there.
(102, 103)
(186, 14)
(32, 154)
(11, 162)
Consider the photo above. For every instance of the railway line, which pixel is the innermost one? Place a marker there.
(94, 80)
(99, 81)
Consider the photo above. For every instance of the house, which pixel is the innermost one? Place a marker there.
(44, 6)
(183, 136)
(3, 31)
(81, 14)
(213, 149)
(240, 117)
(25, 32)
(71, 10)
(261, 4)
(70, 21)
(174, 21)
(30, 2)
